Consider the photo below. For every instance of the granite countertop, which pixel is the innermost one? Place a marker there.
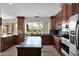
(31, 42)
(7, 35)
(56, 36)
(3, 36)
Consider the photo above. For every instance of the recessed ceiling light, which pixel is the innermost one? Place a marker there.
(10, 3)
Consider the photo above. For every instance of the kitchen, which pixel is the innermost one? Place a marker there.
(59, 30)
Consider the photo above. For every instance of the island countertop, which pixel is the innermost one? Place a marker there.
(31, 42)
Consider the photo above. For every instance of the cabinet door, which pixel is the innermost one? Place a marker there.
(19, 38)
(4, 44)
(47, 40)
(53, 23)
(10, 41)
(59, 17)
(75, 7)
(65, 12)
(69, 9)
(57, 44)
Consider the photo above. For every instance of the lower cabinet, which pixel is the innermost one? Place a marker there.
(9, 41)
(75, 8)
(6, 43)
(57, 44)
(47, 39)
(52, 40)
(19, 38)
(29, 51)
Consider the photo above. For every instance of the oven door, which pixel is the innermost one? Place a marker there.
(74, 43)
(72, 37)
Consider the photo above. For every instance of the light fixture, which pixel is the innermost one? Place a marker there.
(38, 14)
(10, 3)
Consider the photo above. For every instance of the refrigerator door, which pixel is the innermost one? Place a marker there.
(77, 35)
(73, 33)
(73, 22)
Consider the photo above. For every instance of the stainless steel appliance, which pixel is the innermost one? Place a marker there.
(74, 35)
(65, 38)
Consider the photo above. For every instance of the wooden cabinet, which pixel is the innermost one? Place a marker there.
(21, 23)
(75, 8)
(69, 5)
(65, 12)
(47, 40)
(57, 44)
(19, 38)
(53, 22)
(56, 20)
(69, 9)
(6, 42)
(59, 18)
(21, 29)
(30, 49)
(9, 41)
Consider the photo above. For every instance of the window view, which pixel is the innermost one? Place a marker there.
(7, 29)
(34, 28)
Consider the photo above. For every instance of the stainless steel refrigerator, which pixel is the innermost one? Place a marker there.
(74, 35)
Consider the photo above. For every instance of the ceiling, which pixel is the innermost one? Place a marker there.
(29, 9)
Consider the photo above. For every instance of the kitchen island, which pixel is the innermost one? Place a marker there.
(30, 47)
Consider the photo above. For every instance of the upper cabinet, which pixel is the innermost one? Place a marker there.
(53, 22)
(59, 17)
(20, 23)
(68, 9)
(64, 12)
(75, 8)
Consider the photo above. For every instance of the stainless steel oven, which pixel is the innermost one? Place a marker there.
(72, 37)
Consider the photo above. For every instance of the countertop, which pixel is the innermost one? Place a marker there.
(31, 42)
(7, 35)
(56, 36)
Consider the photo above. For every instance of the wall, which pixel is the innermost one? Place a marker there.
(12, 22)
(45, 21)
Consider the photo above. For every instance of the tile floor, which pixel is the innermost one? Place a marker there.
(47, 50)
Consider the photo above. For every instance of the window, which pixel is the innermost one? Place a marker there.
(7, 29)
(34, 28)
